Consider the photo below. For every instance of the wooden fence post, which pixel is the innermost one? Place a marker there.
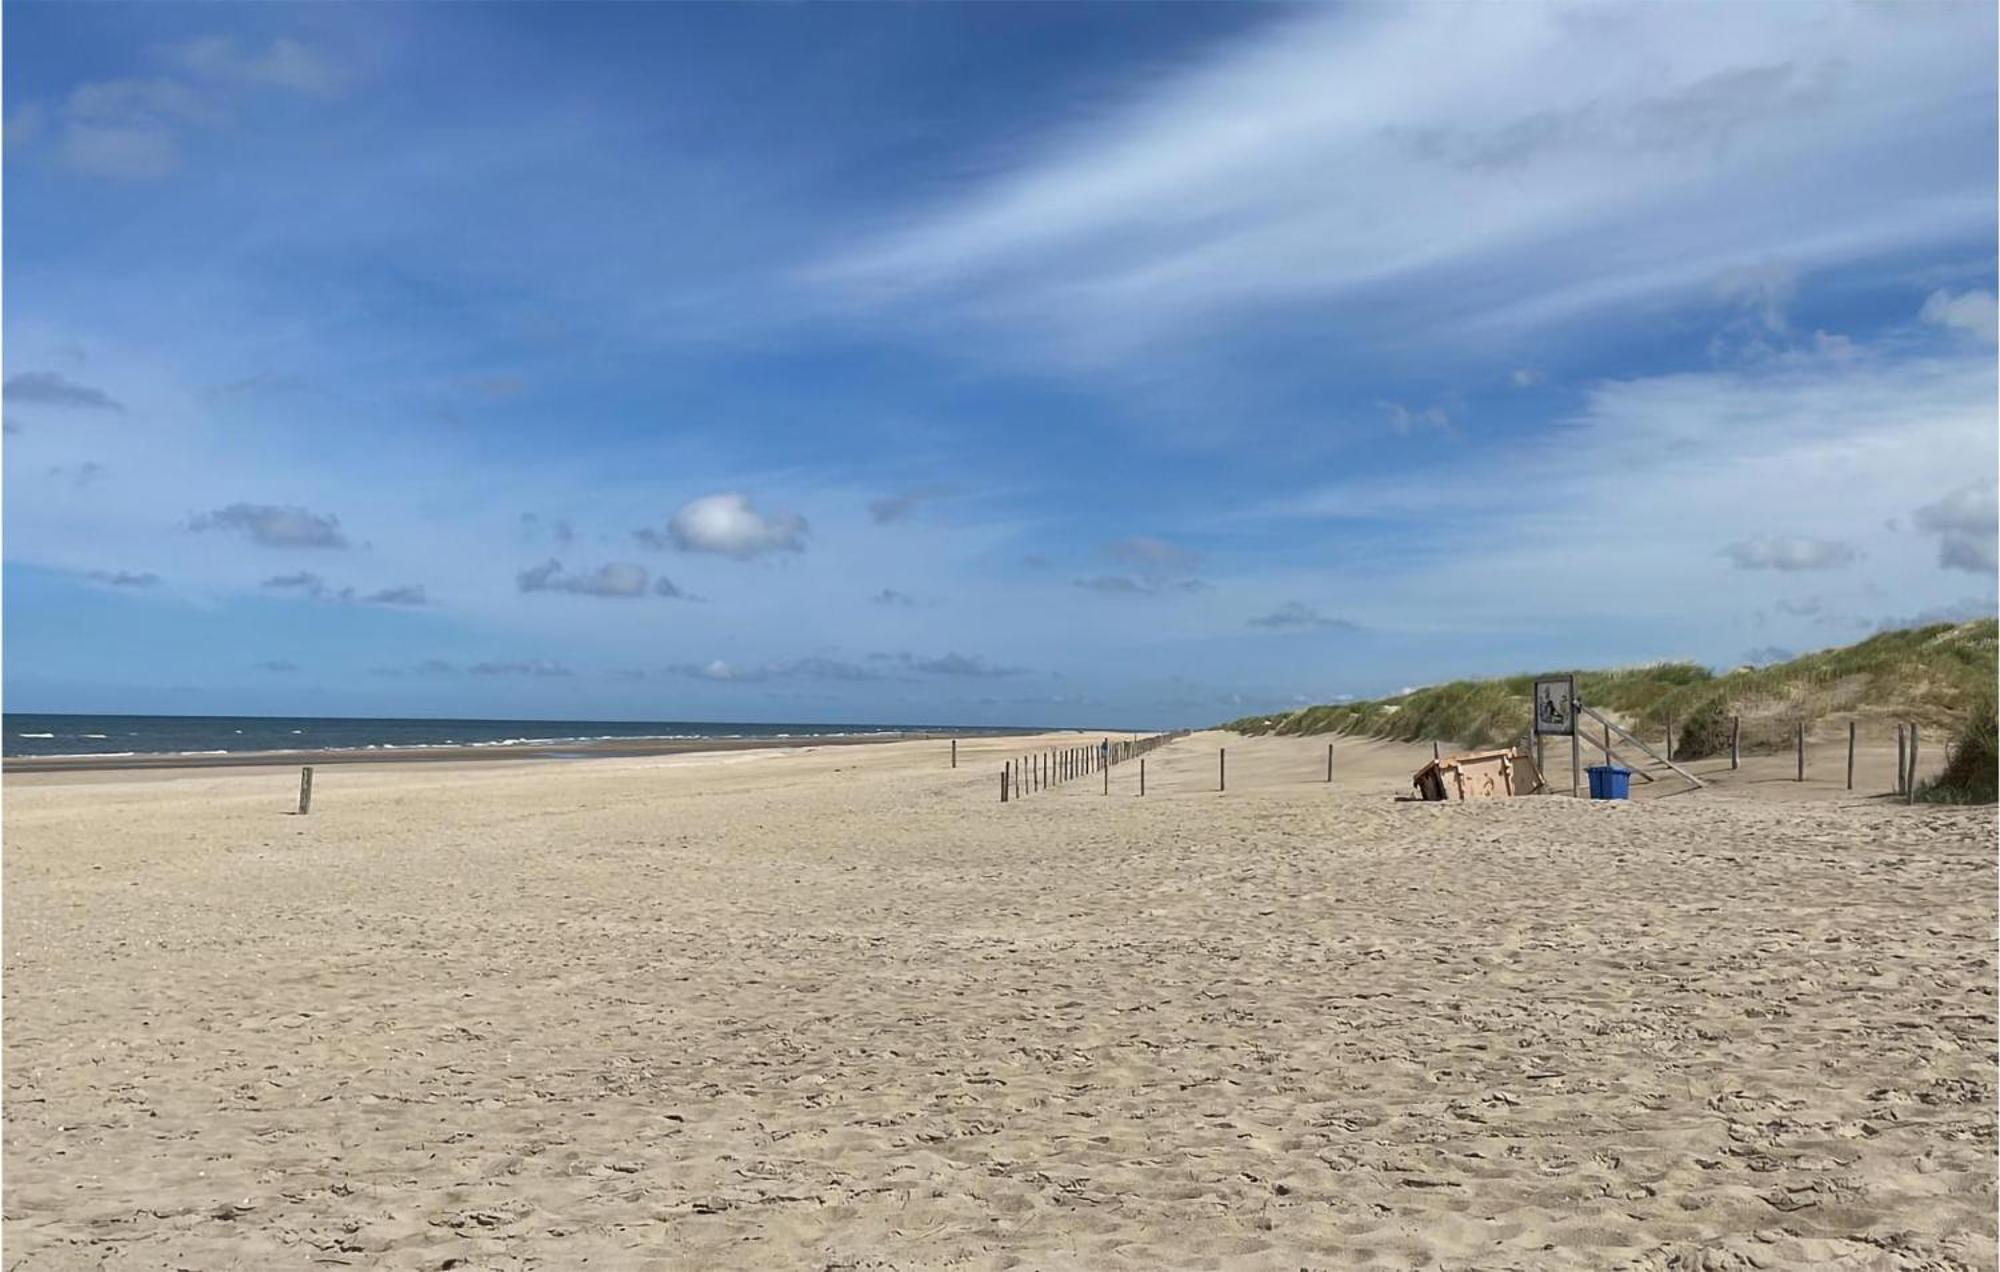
(1003, 782)
(1434, 749)
(1222, 768)
(305, 790)
(954, 752)
(1735, 730)
(1802, 750)
(1902, 759)
(1670, 737)
(1910, 787)
(1142, 775)
(1329, 761)
(1850, 755)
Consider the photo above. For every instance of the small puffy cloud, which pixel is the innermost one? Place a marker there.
(1972, 313)
(1790, 553)
(410, 594)
(959, 665)
(124, 578)
(428, 667)
(1406, 420)
(616, 579)
(728, 524)
(1966, 524)
(811, 668)
(1294, 615)
(890, 596)
(539, 667)
(1526, 377)
(273, 526)
(304, 581)
(891, 508)
(52, 388)
(279, 665)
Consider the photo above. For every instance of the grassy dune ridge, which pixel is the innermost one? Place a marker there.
(1942, 675)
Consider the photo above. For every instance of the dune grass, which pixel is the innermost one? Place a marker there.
(1941, 675)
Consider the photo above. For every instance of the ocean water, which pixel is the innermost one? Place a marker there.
(220, 735)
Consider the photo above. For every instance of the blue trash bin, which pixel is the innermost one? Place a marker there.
(1610, 781)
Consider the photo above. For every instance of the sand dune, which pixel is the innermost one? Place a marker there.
(841, 1008)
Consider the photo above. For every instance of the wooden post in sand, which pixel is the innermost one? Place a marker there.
(1902, 760)
(1670, 737)
(1107, 779)
(954, 752)
(1735, 756)
(1850, 755)
(1802, 750)
(1142, 775)
(1910, 786)
(1329, 761)
(1003, 781)
(305, 790)
(1434, 750)
(1607, 743)
(1222, 768)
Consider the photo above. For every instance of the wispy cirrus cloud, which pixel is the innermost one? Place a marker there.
(1297, 615)
(1613, 155)
(52, 388)
(124, 578)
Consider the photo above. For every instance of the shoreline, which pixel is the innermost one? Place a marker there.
(583, 749)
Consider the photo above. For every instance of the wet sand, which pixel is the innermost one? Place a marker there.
(838, 1007)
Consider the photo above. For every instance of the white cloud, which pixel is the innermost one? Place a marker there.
(1789, 553)
(1482, 164)
(615, 579)
(272, 526)
(1616, 514)
(1296, 615)
(729, 525)
(284, 63)
(1526, 377)
(1970, 312)
(1966, 523)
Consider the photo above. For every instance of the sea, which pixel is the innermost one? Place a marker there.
(134, 735)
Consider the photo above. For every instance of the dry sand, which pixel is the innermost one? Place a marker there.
(840, 1008)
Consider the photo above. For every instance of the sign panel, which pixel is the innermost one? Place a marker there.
(1555, 705)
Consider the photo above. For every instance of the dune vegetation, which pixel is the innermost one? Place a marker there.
(1940, 676)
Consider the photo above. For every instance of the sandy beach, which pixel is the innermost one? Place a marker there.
(837, 1007)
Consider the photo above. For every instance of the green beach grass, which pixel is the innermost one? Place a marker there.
(1940, 676)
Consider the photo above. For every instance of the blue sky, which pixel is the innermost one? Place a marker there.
(1046, 364)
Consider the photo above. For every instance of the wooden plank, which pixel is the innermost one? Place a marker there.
(1641, 745)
